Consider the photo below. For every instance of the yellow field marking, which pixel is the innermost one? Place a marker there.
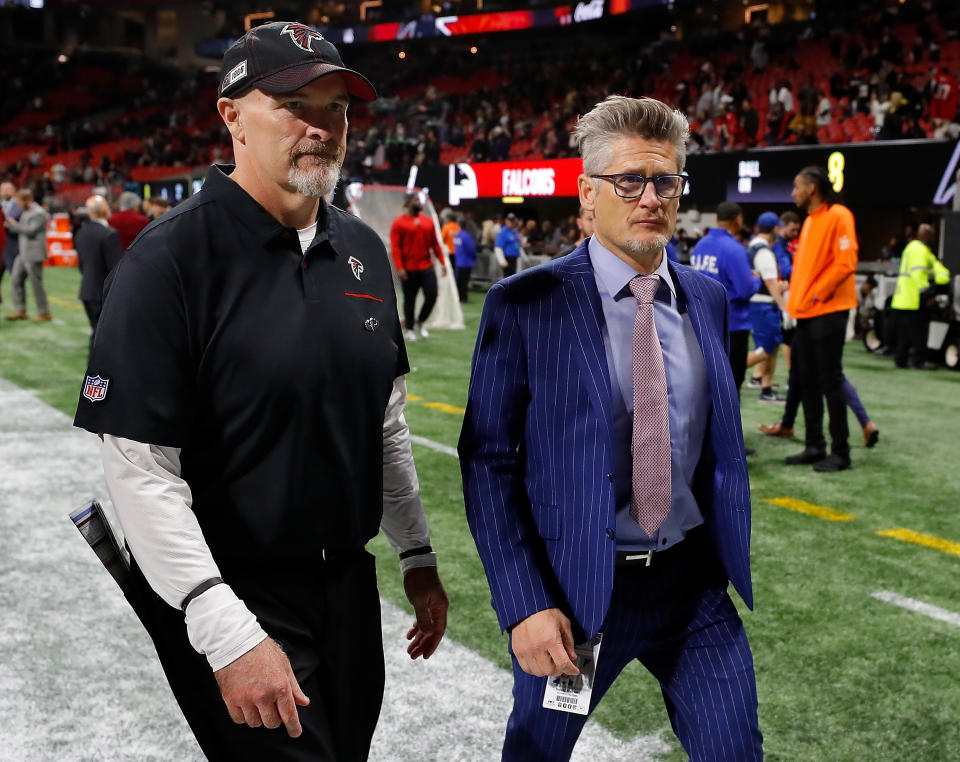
(62, 303)
(809, 508)
(927, 540)
(443, 407)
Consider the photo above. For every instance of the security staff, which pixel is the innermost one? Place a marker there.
(247, 378)
(721, 256)
(917, 264)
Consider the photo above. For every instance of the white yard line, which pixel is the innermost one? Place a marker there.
(445, 449)
(919, 607)
(79, 679)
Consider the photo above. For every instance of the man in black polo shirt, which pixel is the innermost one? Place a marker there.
(247, 379)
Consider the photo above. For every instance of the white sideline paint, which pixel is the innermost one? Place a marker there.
(79, 679)
(911, 604)
(445, 449)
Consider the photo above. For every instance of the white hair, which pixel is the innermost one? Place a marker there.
(617, 116)
(315, 182)
(128, 200)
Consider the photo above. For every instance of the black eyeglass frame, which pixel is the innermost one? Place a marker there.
(682, 179)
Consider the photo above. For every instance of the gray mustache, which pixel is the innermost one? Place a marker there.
(331, 153)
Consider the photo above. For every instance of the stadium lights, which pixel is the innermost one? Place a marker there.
(63, 58)
(512, 200)
(748, 13)
(251, 17)
(366, 5)
(401, 55)
(473, 49)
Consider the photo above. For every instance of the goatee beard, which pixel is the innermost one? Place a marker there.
(645, 248)
(319, 179)
(315, 182)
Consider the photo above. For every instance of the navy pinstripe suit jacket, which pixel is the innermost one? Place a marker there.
(535, 450)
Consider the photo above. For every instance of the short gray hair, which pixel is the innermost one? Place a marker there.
(617, 116)
(128, 200)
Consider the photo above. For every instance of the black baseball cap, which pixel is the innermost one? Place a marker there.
(283, 56)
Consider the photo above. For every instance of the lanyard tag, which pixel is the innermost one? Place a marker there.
(571, 693)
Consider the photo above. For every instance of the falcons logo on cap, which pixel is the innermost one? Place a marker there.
(302, 36)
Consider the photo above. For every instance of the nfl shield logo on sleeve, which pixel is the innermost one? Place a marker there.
(95, 388)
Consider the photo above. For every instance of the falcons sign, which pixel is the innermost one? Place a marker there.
(356, 265)
(95, 388)
(302, 36)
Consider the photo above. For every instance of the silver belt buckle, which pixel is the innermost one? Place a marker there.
(648, 554)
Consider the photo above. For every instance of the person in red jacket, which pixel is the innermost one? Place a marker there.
(128, 222)
(412, 239)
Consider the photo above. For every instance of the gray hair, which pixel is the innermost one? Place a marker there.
(617, 116)
(128, 200)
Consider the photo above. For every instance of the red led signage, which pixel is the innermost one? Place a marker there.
(522, 179)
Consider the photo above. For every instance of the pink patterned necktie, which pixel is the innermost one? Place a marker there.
(651, 417)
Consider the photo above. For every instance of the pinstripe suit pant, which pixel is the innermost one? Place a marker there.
(676, 617)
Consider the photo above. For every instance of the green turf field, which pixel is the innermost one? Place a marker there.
(841, 676)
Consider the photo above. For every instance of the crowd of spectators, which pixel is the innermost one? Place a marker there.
(814, 82)
(511, 97)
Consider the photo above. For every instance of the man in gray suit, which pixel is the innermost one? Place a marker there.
(98, 250)
(32, 231)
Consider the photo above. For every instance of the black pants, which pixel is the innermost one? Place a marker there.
(739, 342)
(463, 282)
(792, 404)
(417, 280)
(326, 617)
(818, 348)
(912, 329)
(93, 315)
(511, 267)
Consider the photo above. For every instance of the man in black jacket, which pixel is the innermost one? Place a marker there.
(98, 250)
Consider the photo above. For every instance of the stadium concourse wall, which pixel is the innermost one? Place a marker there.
(886, 184)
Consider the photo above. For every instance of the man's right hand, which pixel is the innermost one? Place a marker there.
(401, 273)
(260, 688)
(543, 644)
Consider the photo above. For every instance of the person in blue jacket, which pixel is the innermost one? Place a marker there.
(789, 230)
(722, 257)
(464, 259)
(509, 244)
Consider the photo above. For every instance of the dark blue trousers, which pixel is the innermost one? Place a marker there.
(676, 617)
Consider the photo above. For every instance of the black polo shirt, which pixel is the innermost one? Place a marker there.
(270, 369)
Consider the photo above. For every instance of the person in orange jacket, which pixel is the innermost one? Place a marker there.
(822, 292)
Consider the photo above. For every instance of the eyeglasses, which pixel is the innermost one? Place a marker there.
(632, 186)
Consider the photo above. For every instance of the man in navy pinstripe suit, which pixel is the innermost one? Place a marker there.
(548, 463)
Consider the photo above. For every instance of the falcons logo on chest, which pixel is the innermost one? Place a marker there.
(302, 36)
(356, 265)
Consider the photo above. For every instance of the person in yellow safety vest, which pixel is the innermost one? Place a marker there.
(917, 264)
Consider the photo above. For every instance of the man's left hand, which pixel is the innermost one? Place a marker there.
(425, 592)
(443, 271)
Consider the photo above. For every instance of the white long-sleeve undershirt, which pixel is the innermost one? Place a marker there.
(154, 505)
